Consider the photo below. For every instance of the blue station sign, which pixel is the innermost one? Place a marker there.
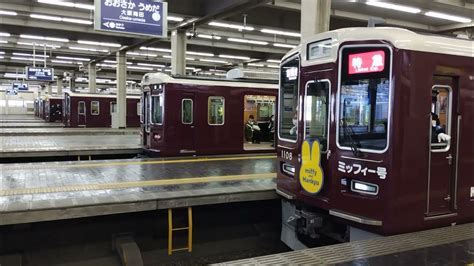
(39, 73)
(142, 17)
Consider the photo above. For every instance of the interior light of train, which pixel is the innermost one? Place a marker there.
(368, 62)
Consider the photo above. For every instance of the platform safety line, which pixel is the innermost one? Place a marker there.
(197, 160)
(134, 184)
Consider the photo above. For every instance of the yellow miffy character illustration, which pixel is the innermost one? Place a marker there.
(311, 173)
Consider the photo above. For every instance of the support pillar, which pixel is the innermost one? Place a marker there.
(178, 52)
(121, 90)
(59, 85)
(92, 78)
(315, 15)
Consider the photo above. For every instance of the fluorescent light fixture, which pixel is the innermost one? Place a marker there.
(140, 54)
(199, 53)
(189, 58)
(73, 58)
(25, 54)
(163, 50)
(35, 37)
(39, 44)
(234, 57)
(2, 41)
(279, 32)
(87, 49)
(21, 58)
(8, 13)
(2, 52)
(115, 62)
(448, 17)
(150, 65)
(13, 75)
(284, 45)
(4, 34)
(273, 61)
(140, 68)
(2, 57)
(174, 18)
(211, 37)
(273, 66)
(61, 61)
(213, 61)
(108, 44)
(231, 26)
(397, 7)
(45, 17)
(247, 41)
(255, 65)
(77, 21)
(167, 70)
(167, 56)
(67, 4)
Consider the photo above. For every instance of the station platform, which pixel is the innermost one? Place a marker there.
(29, 124)
(35, 192)
(66, 131)
(452, 245)
(67, 145)
(5, 118)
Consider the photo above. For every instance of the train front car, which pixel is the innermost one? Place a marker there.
(356, 155)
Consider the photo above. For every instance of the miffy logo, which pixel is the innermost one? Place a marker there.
(311, 173)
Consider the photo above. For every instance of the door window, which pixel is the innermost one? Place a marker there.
(187, 111)
(157, 103)
(316, 112)
(95, 108)
(440, 117)
(288, 114)
(81, 108)
(216, 110)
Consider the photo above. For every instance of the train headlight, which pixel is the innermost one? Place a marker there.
(156, 137)
(288, 169)
(364, 187)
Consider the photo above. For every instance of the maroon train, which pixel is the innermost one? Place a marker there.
(53, 109)
(197, 116)
(366, 96)
(95, 110)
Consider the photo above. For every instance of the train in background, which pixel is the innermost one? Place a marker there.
(194, 116)
(96, 110)
(358, 152)
(53, 109)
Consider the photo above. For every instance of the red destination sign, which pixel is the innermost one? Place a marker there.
(367, 62)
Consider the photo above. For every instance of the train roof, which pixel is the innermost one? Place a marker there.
(98, 95)
(159, 78)
(399, 38)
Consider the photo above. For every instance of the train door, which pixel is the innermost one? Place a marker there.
(144, 119)
(443, 147)
(186, 125)
(81, 113)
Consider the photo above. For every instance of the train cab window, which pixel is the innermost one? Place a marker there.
(95, 107)
(157, 104)
(81, 108)
(364, 95)
(440, 117)
(215, 110)
(288, 111)
(316, 119)
(187, 111)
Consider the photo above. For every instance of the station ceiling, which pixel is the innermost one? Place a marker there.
(211, 49)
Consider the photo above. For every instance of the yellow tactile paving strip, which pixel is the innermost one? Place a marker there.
(135, 184)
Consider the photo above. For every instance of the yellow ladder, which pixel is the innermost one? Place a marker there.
(171, 230)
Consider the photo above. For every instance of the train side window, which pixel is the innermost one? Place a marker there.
(187, 111)
(441, 108)
(139, 109)
(316, 112)
(215, 110)
(157, 104)
(113, 107)
(95, 107)
(81, 108)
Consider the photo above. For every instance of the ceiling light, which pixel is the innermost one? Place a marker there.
(8, 13)
(247, 41)
(140, 54)
(234, 57)
(45, 17)
(140, 68)
(13, 75)
(273, 66)
(53, 39)
(67, 4)
(174, 18)
(167, 56)
(25, 54)
(99, 43)
(77, 21)
(150, 65)
(73, 58)
(61, 61)
(199, 53)
(213, 61)
(207, 36)
(87, 49)
(255, 65)
(163, 50)
(39, 44)
(279, 32)
(273, 61)
(190, 58)
(1, 57)
(448, 17)
(284, 45)
(4, 34)
(2, 41)
(394, 7)
(231, 26)
(2, 52)
(22, 58)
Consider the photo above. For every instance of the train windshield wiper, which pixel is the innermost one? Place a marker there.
(351, 136)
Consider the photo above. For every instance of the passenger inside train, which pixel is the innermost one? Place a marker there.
(258, 113)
